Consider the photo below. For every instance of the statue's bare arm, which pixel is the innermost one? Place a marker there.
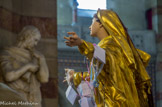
(43, 73)
(14, 74)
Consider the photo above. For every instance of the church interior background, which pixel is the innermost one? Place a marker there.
(143, 19)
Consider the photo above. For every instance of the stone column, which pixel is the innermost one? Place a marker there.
(64, 12)
(74, 9)
(157, 22)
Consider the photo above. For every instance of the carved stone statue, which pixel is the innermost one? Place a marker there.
(11, 98)
(24, 68)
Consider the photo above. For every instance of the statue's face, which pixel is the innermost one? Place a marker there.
(34, 41)
(94, 28)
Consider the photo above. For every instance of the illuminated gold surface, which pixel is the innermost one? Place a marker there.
(123, 81)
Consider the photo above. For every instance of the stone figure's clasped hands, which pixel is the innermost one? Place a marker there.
(38, 55)
(73, 40)
(33, 67)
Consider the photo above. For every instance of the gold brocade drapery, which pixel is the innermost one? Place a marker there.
(123, 81)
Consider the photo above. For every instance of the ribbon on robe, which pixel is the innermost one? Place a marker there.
(100, 57)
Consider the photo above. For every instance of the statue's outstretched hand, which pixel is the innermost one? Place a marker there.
(73, 40)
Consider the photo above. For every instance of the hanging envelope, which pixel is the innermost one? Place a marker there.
(99, 54)
(84, 89)
(71, 95)
(87, 102)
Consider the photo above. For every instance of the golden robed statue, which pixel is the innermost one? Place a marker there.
(123, 81)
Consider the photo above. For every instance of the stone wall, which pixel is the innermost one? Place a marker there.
(14, 15)
(131, 12)
(64, 12)
(157, 15)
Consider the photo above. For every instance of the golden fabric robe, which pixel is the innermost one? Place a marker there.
(123, 81)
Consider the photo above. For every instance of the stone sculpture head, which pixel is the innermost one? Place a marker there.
(29, 37)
